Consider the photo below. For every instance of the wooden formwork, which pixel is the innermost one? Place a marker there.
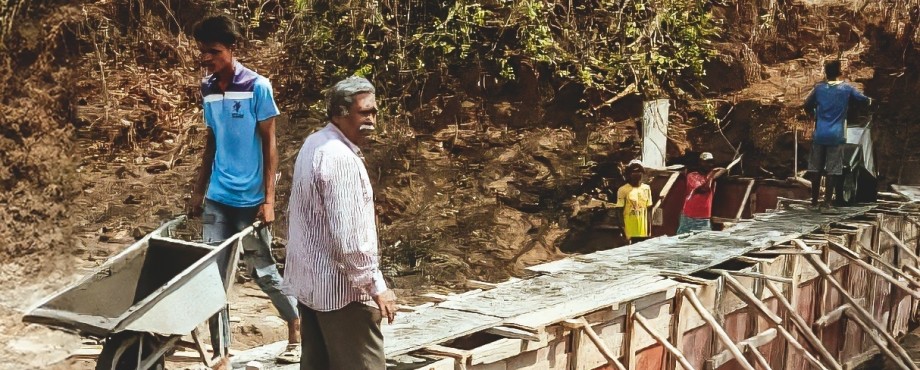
(792, 289)
(829, 298)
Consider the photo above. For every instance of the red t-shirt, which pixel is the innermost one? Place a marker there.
(699, 203)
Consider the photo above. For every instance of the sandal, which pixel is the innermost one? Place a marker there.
(291, 354)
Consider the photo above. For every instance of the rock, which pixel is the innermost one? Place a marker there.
(254, 365)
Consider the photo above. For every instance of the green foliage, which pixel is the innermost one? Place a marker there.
(602, 44)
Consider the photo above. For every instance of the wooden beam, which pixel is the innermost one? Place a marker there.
(753, 260)
(461, 356)
(878, 341)
(629, 336)
(825, 272)
(677, 333)
(831, 317)
(644, 324)
(684, 277)
(784, 251)
(852, 256)
(582, 324)
(513, 333)
(717, 329)
(758, 340)
(744, 199)
(877, 258)
(899, 243)
(777, 322)
(755, 275)
(913, 270)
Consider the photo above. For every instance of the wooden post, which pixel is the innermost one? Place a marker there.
(583, 324)
(677, 333)
(878, 341)
(667, 345)
(629, 336)
(202, 352)
(825, 272)
(775, 321)
(717, 329)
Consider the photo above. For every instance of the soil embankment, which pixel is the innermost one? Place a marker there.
(480, 174)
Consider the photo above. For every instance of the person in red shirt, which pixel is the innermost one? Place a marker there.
(700, 188)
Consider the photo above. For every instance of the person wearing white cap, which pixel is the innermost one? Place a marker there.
(700, 187)
(635, 198)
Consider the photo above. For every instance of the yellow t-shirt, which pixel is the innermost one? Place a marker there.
(635, 202)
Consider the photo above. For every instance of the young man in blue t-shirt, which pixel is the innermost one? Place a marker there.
(238, 166)
(829, 102)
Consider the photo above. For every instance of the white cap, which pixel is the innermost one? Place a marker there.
(635, 161)
(706, 156)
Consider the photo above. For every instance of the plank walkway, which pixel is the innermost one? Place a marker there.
(577, 285)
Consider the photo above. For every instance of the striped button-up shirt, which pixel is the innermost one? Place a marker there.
(332, 248)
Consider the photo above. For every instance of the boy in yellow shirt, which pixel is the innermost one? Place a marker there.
(635, 198)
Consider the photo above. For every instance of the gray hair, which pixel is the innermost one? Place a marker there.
(341, 96)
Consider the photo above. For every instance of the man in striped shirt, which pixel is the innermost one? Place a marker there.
(332, 260)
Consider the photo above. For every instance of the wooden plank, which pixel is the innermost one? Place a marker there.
(754, 275)
(513, 333)
(784, 251)
(582, 324)
(496, 351)
(644, 324)
(756, 341)
(723, 336)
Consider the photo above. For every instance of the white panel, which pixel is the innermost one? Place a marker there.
(655, 133)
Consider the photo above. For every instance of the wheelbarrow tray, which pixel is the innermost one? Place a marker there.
(157, 285)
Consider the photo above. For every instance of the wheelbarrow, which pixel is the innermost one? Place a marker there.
(146, 298)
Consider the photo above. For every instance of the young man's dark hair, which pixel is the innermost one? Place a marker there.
(217, 28)
(832, 69)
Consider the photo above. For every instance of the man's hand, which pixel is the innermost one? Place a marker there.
(194, 206)
(266, 213)
(387, 303)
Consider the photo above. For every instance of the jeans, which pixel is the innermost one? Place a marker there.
(219, 223)
(690, 224)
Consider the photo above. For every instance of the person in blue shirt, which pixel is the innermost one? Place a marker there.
(829, 102)
(235, 184)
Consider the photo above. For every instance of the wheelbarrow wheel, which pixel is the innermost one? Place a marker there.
(120, 352)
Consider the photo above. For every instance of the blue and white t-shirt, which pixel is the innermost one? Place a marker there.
(233, 115)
